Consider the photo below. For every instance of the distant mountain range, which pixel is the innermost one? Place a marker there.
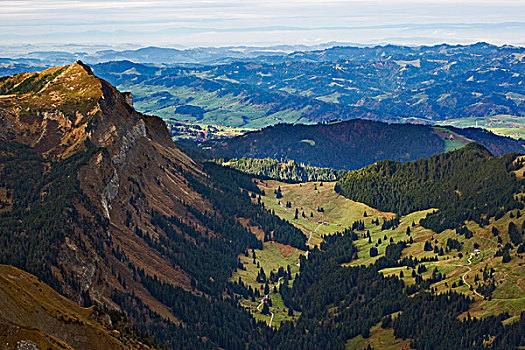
(159, 55)
(356, 143)
(257, 87)
(436, 84)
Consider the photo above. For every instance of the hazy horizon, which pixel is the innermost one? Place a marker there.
(185, 24)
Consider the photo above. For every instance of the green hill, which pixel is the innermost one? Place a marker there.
(388, 83)
(466, 184)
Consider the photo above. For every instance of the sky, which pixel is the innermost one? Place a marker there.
(185, 23)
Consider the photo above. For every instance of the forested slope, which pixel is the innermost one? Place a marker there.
(98, 203)
(356, 143)
(290, 171)
(466, 184)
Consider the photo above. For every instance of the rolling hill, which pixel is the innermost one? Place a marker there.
(465, 184)
(356, 143)
(467, 85)
(478, 83)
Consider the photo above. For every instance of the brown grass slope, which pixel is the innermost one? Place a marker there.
(32, 313)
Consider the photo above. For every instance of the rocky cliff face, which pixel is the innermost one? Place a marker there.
(130, 169)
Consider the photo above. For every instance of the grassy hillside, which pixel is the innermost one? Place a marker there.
(271, 258)
(517, 133)
(379, 339)
(337, 211)
(201, 132)
(340, 213)
(466, 184)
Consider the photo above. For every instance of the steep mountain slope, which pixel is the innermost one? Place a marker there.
(98, 203)
(356, 143)
(67, 111)
(32, 316)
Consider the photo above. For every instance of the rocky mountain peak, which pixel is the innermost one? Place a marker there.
(56, 110)
(120, 166)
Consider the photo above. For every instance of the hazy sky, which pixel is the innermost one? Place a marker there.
(238, 22)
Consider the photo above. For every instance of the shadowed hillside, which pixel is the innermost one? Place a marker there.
(356, 143)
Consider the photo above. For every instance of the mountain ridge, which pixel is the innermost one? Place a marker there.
(355, 143)
(105, 121)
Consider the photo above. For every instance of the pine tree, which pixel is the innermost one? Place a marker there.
(265, 309)
(506, 256)
(514, 234)
(373, 252)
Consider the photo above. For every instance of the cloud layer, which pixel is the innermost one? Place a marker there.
(235, 22)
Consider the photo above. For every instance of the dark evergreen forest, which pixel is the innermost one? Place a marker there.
(336, 303)
(466, 184)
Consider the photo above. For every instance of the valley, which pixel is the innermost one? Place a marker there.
(474, 264)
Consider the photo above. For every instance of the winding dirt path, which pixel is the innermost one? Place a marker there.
(267, 296)
(310, 236)
(308, 242)
(464, 277)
